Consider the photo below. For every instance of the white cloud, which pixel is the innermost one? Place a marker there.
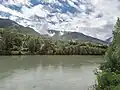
(106, 12)
(17, 2)
(36, 10)
(5, 9)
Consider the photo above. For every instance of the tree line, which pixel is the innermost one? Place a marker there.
(13, 42)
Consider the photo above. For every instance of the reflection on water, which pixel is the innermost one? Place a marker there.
(47, 72)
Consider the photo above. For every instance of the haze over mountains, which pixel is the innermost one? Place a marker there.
(91, 17)
(53, 34)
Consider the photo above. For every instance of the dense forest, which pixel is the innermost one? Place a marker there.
(13, 42)
(109, 76)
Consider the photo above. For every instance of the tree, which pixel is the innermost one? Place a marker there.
(8, 40)
(31, 45)
(109, 78)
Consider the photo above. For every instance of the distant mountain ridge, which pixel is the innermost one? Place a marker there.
(5, 23)
(55, 35)
(58, 35)
(109, 39)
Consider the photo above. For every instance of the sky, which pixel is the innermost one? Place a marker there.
(92, 17)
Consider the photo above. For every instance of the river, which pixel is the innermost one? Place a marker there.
(47, 72)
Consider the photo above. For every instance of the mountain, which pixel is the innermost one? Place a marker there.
(58, 35)
(4, 23)
(109, 39)
(62, 15)
(55, 35)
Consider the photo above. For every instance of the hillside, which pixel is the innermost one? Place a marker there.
(56, 35)
(7, 23)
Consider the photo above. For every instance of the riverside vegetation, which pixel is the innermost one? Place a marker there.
(109, 78)
(13, 42)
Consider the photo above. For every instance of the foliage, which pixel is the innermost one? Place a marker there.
(17, 43)
(109, 78)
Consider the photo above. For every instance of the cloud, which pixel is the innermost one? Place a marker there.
(96, 17)
(5, 9)
(15, 2)
(98, 21)
(109, 8)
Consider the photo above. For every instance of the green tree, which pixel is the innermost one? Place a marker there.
(109, 78)
(7, 39)
(31, 45)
